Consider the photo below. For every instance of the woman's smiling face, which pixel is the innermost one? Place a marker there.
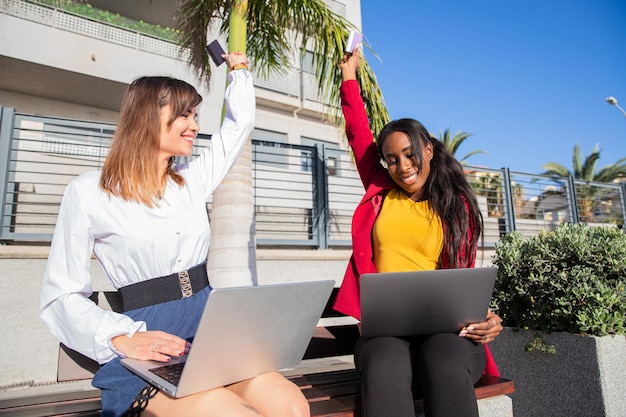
(177, 138)
(402, 163)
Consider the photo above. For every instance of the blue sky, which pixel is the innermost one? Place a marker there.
(527, 78)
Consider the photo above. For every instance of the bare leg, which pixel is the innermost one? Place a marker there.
(214, 403)
(270, 395)
(273, 395)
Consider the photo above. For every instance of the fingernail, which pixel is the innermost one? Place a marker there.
(168, 359)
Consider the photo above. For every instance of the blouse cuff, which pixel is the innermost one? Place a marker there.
(115, 351)
(239, 74)
(105, 350)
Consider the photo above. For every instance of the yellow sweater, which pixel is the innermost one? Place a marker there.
(408, 235)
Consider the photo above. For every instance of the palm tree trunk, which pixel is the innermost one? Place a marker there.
(231, 259)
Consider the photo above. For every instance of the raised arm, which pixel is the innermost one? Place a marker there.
(240, 106)
(358, 130)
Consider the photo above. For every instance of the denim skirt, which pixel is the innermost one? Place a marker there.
(180, 317)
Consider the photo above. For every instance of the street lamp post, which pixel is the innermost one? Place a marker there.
(613, 102)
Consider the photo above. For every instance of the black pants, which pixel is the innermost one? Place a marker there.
(441, 369)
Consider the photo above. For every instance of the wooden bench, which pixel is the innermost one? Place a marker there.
(327, 378)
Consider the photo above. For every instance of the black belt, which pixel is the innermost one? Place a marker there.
(160, 290)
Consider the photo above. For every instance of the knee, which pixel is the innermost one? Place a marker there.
(380, 349)
(387, 357)
(286, 400)
(298, 407)
(291, 403)
(444, 355)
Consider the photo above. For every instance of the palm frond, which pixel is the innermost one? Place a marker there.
(454, 142)
(470, 154)
(589, 166)
(577, 160)
(554, 169)
(274, 27)
(612, 172)
(194, 18)
(457, 140)
(324, 33)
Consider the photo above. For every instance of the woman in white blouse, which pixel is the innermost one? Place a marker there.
(145, 221)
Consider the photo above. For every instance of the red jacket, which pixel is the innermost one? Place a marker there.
(376, 183)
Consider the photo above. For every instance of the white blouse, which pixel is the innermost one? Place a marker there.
(131, 241)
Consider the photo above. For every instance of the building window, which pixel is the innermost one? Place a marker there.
(306, 161)
(331, 166)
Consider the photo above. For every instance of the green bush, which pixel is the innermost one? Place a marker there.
(571, 279)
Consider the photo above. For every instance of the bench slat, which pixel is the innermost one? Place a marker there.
(325, 378)
(79, 407)
(332, 408)
(491, 386)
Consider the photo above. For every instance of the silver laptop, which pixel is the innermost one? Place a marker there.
(424, 302)
(243, 332)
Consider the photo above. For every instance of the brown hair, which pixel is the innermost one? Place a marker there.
(130, 170)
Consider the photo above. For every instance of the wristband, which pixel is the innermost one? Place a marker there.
(241, 65)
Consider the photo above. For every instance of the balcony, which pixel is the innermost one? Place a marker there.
(104, 69)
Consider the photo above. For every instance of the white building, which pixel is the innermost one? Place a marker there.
(57, 64)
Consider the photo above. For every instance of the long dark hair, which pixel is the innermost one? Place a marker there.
(447, 191)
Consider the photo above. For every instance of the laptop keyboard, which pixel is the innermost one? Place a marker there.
(170, 373)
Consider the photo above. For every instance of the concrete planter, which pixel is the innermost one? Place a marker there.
(586, 377)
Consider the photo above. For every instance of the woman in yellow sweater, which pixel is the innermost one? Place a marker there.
(418, 213)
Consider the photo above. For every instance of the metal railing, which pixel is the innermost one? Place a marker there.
(304, 195)
(61, 19)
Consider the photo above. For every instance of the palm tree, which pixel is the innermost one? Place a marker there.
(586, 171)
(453, 143)
(268, 31)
